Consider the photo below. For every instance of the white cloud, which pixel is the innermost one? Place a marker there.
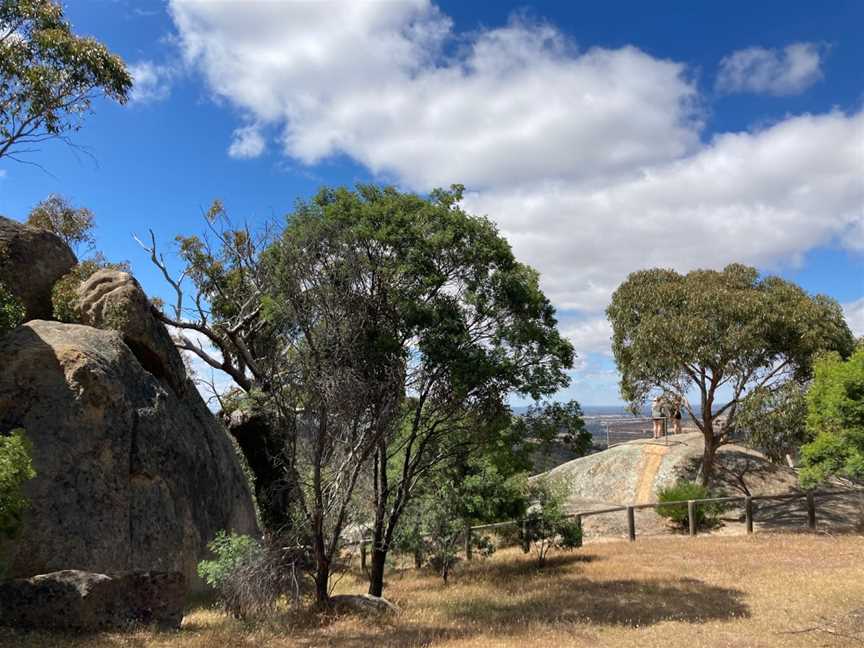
(779, 72)
(590, 161)
(248, 143)
(2, 173)
(588, 335)
(151, 82)
(762, 198)
(854, 312)
(514, 104)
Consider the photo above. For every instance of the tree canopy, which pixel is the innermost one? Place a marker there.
(49, 76)
(72, 224)
(721, 334)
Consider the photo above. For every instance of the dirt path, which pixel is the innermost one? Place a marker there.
(652, 457)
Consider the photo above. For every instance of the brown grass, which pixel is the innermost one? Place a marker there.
(768, 590)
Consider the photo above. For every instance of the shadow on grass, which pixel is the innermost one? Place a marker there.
(498, 574)
(612, 602)
(525, 567)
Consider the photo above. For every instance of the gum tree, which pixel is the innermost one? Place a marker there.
(49, 76)
(72, 224)
(723, 334)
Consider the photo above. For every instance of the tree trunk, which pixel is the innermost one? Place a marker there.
(376, 572)
(709, 451)
(322, 561)
(322, 583)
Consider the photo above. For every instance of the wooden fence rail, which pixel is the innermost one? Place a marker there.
(692, 507)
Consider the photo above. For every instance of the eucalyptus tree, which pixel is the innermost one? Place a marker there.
(473, 325)
(49, 76)
(725, 334)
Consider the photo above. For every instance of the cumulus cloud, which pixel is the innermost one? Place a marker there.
(151, 82)
(517, 103)
(855, 316)
(762, 198)
(592, 162)
(248, 142)
(772, 71)
(588, 335)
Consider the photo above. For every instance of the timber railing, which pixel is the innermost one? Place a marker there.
(692, 508)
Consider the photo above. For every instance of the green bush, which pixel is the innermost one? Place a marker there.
(11, 310)
(230, 551)
(547, 524)
(835, 420)
(251, 577)
(16, 468)
(706, 514)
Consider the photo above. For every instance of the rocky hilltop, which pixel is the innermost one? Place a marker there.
(634, 472)
(133, 471)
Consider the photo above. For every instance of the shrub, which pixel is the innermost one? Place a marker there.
(11, 310)
(250, 577)
(682, 491)
(547, 524)
(16, 468)
(835, 420)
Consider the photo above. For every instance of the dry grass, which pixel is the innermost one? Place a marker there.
(768, 590)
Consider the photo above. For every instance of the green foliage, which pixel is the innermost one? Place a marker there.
(16, 468)
(64, 295)
(48, 75)
(835, 420)
(230, 551)
(11, 310)
(547, 524)
(682, 491)
(773, 419)
(72, 224)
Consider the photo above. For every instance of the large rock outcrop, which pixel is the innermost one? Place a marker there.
(131, 474)
(31, 262)
(84, 601)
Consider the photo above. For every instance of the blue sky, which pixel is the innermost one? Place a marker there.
(601, 137)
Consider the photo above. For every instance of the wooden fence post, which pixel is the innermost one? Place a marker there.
(631, 523)
(691, 515)
(748, 513)
(467, 542)
(363, 555)
(811, 511)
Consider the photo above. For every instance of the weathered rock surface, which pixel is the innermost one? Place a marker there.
(78, 600)
(130, 474)
(363, 603)
(31, 261)
(634, 472)
(113, 300)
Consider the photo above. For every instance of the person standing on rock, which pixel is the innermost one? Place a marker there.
(657, 416)
(677, 404)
